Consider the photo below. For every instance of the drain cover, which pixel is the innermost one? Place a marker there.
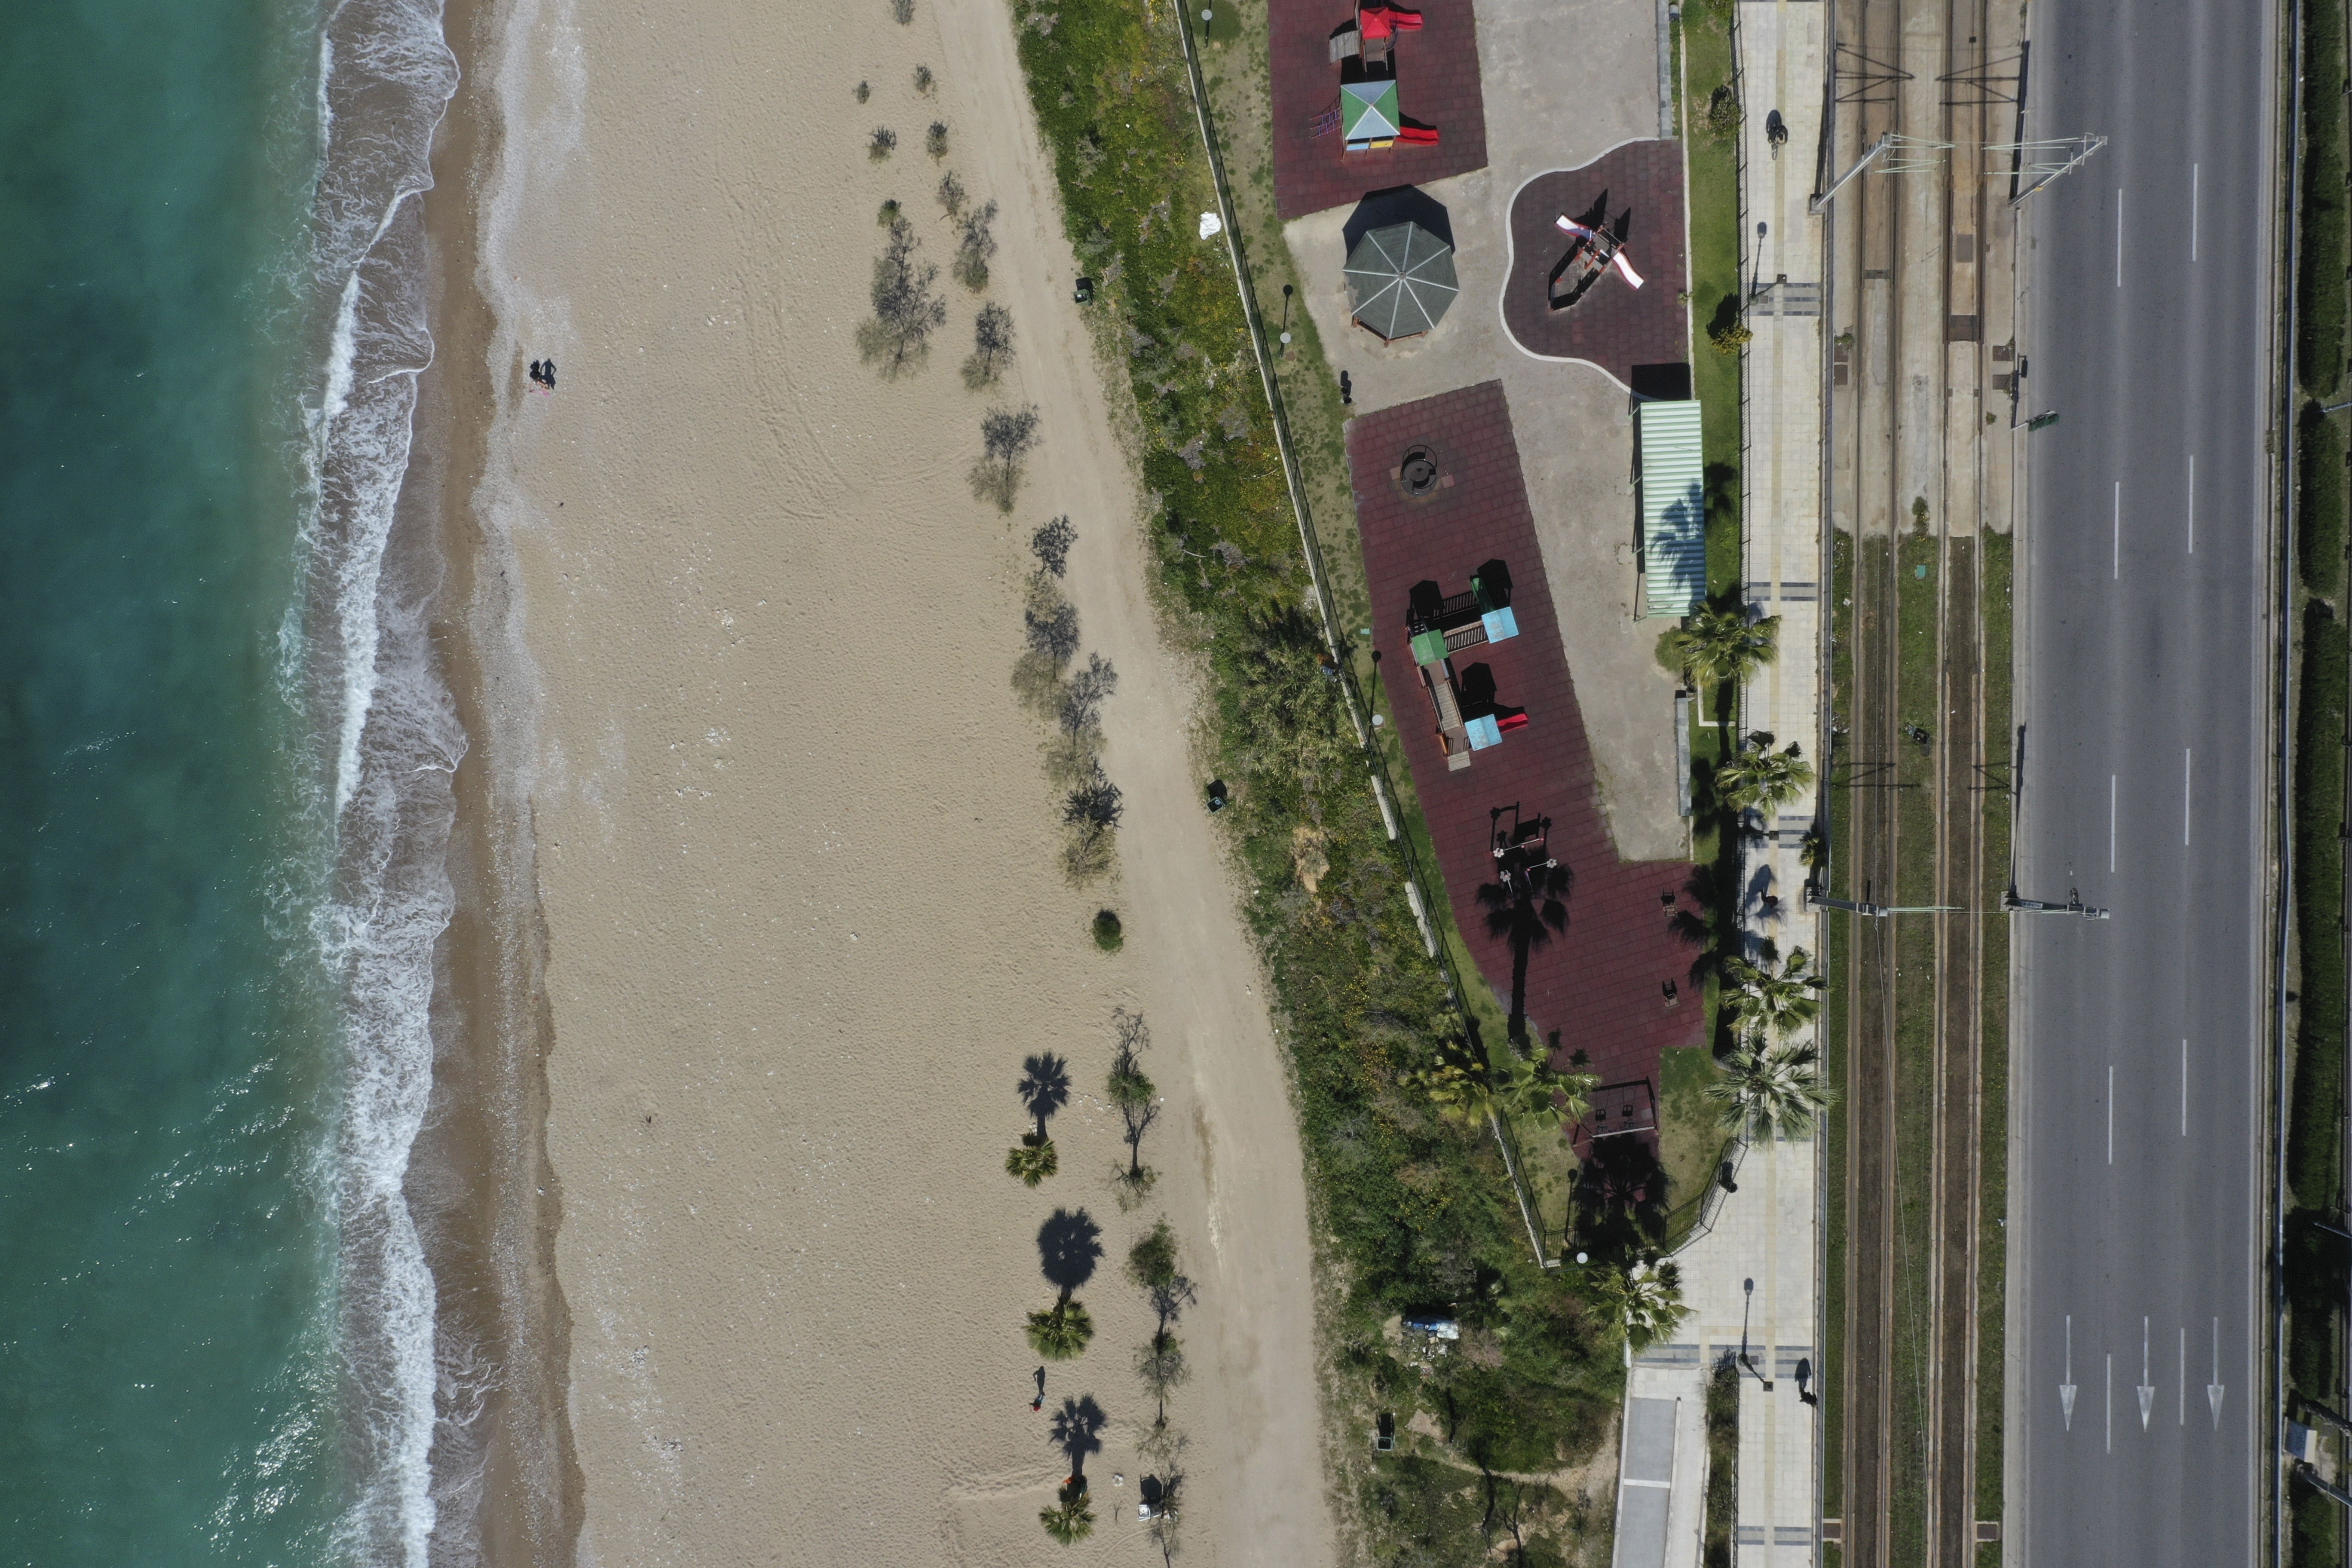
(1418, 473)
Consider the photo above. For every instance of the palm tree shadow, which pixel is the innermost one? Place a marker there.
(1076, 1430)
(1069, 1245)
(1044, 1087)
(1620, 1198)
(1526, 909)
(1697, 920)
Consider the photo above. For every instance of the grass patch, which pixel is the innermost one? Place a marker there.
(1716, 308)
(1691, 1141)
(1912, 1341)
(1992, 1196)
(1410, 1213)
(2320, 287)
(1722, 1463)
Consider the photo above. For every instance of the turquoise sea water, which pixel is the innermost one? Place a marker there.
(193, 1365)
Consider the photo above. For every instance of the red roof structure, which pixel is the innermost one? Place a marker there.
(1436, 67)
(1616, 982)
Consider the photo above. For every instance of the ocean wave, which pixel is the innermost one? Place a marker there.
(361, 663)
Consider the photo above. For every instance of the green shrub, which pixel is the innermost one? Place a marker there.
(2317, 1107)
(2319, 516)
(2320, 301)
(1108, 934)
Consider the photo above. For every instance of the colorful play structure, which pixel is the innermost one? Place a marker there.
(1367, 114)
(1450, 625)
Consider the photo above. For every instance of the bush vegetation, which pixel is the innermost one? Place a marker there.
(1413, 1211)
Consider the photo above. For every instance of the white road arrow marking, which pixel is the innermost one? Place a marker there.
(2145, 1390)
(2067, 1389)
(2213, 1389)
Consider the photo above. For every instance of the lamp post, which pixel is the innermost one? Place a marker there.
(1286, 321)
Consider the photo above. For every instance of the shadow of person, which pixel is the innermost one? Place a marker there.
(1045, 1087)
(1076, 1430)
(1069, 1245)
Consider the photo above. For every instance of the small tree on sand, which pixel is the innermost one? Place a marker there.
(951, 193)
(1092, 812)
(1032, 1159)
(1770, 1091)
(1006, 434)
(906, 311)
(1051, 545)
(976, 247)
(992, 339)
(1061, 1330)
(1071, 1519)
(1138, 1101)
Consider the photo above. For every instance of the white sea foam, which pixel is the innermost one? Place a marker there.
(361, 663)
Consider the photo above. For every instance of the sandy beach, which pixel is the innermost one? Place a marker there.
(764, 858)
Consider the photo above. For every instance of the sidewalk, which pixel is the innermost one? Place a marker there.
(1768, 1232)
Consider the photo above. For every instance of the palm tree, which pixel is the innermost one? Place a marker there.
(1071, 1519)
(1063, 1331)
(1719, 644)
(1033, 1161)
(1770, 1091)
(1646, 1302)
(1762, 779)
(1459, 1083)
(1782, 1002)
(1536, 1093)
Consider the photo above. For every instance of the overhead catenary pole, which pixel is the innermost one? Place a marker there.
(1874, 150)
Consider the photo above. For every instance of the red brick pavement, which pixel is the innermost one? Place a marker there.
(1437, 84)
(1600, 983)
(1615, 325)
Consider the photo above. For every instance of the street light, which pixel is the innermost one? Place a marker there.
(1286, 321)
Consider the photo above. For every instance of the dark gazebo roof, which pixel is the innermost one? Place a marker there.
(1401, 279)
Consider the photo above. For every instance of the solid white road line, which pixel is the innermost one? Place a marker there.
(2119, 530)
(2192, 494)
(2119, 236)
(2110, 1390)
(2186, 757)
(2192, 226)
(2184, 1097)
(2111, 1113)
(2111, 823)
(2184, 1377)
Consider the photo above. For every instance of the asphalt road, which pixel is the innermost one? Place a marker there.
(2136, 1217)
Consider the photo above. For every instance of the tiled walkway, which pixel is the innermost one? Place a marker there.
(1616, 983)
(1437, 84)
(1615, 325)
